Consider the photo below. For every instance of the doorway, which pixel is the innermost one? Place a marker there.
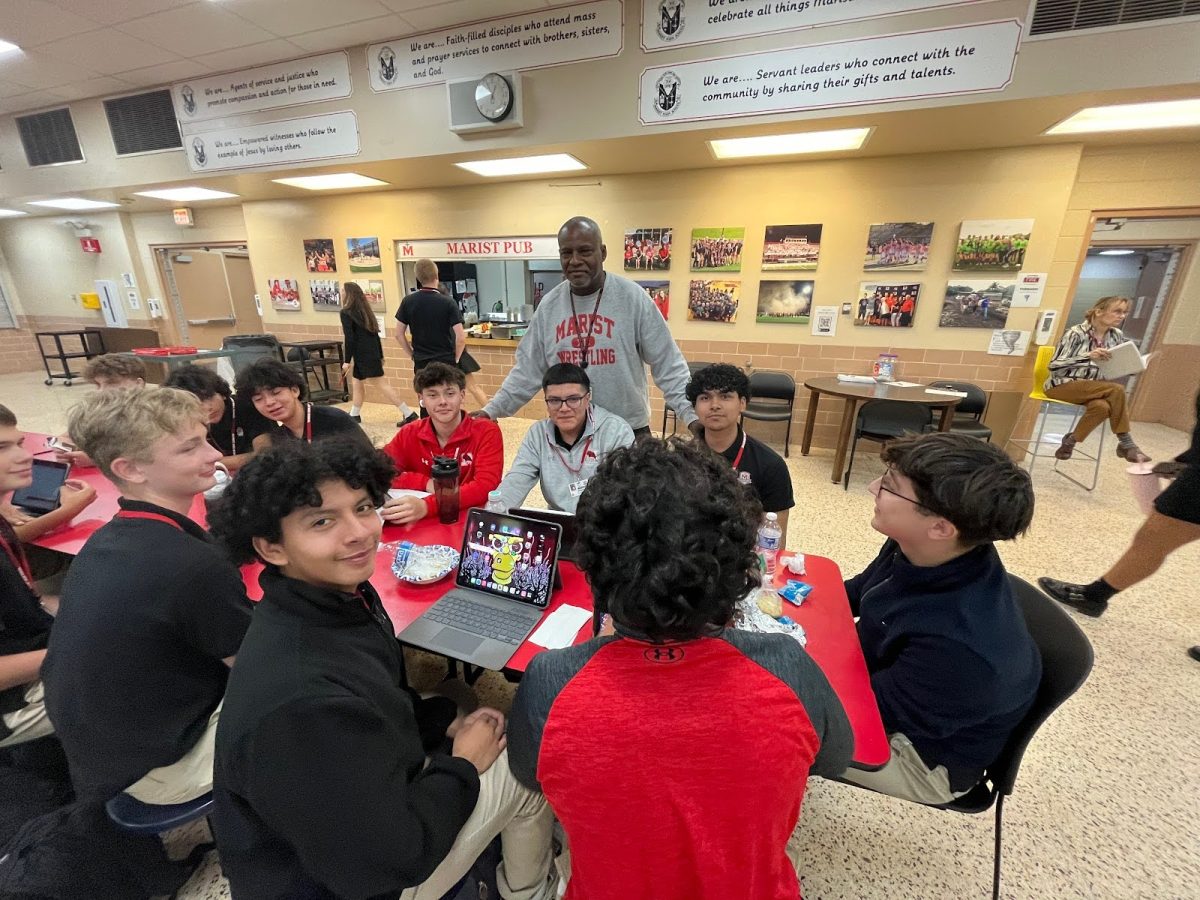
(210, 290)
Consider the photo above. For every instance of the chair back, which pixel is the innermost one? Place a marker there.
(1066, 663)
(256, 347)
(974, 404)
(768, 385)
(1041, 371)
(892, 418)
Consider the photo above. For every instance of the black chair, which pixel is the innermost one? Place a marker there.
(1066, 662)
(693, 368)
(772, 396)
(968, 415)
(885, 420)
(253, 346)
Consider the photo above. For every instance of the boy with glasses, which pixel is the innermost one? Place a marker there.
(952, 663)
(563, 450)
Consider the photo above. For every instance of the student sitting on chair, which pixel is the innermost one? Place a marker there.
(277, 392)
(109, 371)
(323, 788)
(475, 443)
(152, 612)
(675, 752)
(952, 664)
(233, 422)
(563, 450)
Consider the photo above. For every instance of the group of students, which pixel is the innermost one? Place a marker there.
(332, 779)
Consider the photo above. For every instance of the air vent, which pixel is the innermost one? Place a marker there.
(142, 122)
(1056, 16)
(49, 137)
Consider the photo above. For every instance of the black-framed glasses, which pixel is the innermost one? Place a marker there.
(883, 487)
(569, 402)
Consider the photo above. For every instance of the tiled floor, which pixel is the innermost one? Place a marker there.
(1109, 795)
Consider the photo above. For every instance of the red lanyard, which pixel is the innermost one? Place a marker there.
(157, 517)
(17, 554)
(563, 459)
(232, 429)
(737, 459)
(588, 340)
(307, 423)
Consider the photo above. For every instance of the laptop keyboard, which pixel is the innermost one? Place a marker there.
(499, 625)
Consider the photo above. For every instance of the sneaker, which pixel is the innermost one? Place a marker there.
(1072, 595)
(1194, 652)
(411, 417)
(1067, 448)
(357, 419)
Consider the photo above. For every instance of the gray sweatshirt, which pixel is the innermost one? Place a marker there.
(540, 457)
(628, 331)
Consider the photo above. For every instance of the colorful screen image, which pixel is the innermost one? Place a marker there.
(509, 557)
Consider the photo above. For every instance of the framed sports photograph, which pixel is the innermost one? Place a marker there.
(648, 250)
(784, 302)
(886, 305)
(794, 247)
(899, 246)
(660, 293)
(713, 301)
(977, 304)
(992, 244)
(717, 249)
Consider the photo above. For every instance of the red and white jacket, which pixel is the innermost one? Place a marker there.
(477, 444)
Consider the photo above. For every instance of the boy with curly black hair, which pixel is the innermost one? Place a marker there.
(278, 392)
(233, 422)
(321, 784)
(675, 752)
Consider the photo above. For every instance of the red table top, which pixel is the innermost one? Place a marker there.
(825, 614)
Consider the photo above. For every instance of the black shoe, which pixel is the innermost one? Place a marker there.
(357, 419)
(411, 417)
(1072, 595)
(1194, 652)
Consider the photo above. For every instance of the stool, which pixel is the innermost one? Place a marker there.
(1041, 372)
(132, 815)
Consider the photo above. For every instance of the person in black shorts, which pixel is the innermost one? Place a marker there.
(278, 392)
(1174, 523)
(468, 366)
(433, 319)
(364, 354)
(233, 422)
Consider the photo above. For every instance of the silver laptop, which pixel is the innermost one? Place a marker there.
(504, 581)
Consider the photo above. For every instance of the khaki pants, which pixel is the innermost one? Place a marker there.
(906, 776)
(523, 820)
(187, 779)
(30, 722)
(1101, 400)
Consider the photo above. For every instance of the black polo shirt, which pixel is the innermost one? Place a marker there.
(238, 426)
(24, 625)
(431, 317)
(327, 422)
(147, 614)
(763, 471)
(321, 787)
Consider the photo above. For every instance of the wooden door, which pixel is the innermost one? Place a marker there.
(203, 296)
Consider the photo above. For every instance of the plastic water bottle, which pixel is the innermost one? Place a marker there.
(770, 536)
(495, 504)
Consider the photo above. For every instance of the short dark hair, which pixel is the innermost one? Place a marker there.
(266, 374)
(719, 377)
(971, 483)
(199, 380)
(666, 538)
(566, 373)
(287, 477)
(7, 419)
(436, 374)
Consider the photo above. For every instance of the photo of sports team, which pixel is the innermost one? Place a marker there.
(660, 293)
(326, 295)
(364, 254)
(791, 247)
(977, 304)
(992, 244)
(318, 255)
(648, 249)
(717, 249)
(784, 302)
(898, 245)
(886, 305)
(284, 293)
(713, 301)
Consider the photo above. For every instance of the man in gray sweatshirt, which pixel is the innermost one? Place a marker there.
(607, 325)
(563, 451)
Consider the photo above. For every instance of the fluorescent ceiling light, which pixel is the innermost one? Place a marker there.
(6, 47)
(788, 144)
(523, 165)
(1117, 252)
(9, 213)
(1131, 117)
(340, 180)
(74, 203)
(185, 194)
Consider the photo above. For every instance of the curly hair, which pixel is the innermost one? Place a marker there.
(969, 482)
(114, 367)
(666, 538)
(199, 380)
(266, 374)
(719, 377)
(285, 478)
(436, 374)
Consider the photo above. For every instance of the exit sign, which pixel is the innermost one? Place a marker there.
(90, 244)
(183, 216)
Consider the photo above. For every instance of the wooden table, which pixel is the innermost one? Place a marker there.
(855, 394)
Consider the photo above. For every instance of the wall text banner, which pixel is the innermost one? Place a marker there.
(479, 248)
(325, 77)
(533, 40)
(274, 143)
(681, 23)
(965, 59)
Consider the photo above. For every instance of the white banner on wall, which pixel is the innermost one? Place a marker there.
(325, 77)
(479, 248)
(532, 40)
(964, 59)
(1030, 287)
(681, 23)
(273, 143)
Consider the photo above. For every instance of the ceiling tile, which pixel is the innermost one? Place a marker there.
(93, 87)
(300, 16)
(34, 100)
(28, 23)
(352, 35)
(248, 57)
(39, 71)
(107, 51)
(153, 76)
(10, 88)
(196, 29)
(110, 12)
(459, 12)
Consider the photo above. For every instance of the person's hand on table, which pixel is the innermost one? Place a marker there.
(75, 495)
(1100, 353)
(404, 510)
(481, 739)
(13, 515)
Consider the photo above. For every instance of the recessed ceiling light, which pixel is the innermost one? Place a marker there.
(74, 203)
(9, 213)
(185, 194)
(1117, 252)
(6, 47)
(330, 182)
(788, 144)
(1131, 117)
(523, 165)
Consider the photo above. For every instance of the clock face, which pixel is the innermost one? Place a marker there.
(493, 97)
